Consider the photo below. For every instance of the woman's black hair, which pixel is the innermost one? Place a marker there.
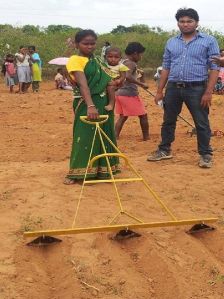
(83, 33)
(134, 47)
(187, 12)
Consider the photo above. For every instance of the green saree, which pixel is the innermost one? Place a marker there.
(83, 133)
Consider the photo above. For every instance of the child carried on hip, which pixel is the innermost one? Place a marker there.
(117, 72)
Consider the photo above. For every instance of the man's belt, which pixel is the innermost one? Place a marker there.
(186, 84)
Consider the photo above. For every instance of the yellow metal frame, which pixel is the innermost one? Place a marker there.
(111, 227)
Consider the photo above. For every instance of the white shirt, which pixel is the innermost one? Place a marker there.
(25, 61)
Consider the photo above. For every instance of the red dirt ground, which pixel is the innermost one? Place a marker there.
(165, 263)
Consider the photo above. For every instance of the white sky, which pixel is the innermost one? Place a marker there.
(104, 15)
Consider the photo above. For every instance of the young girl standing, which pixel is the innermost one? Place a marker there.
(36, 68)
(10, 72)
(128, 102)
(23, 69)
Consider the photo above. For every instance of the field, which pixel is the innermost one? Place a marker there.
(164, 263)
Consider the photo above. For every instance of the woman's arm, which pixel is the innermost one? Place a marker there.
(81, 81)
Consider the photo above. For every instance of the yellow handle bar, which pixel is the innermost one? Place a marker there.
(102, 119)
(108, 155)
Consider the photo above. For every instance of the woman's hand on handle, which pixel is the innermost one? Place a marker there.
(92, 112)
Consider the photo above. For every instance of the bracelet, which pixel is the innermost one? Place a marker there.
(91, 106)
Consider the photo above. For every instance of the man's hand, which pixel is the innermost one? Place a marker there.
(206, 100)
(159, 96)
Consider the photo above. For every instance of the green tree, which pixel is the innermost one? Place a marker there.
(5, 27)
(31, 29)
(120, 29)
(59, 28)
(139, 28)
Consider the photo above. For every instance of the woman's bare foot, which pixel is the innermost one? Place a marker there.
(109, 107)
(68, 181)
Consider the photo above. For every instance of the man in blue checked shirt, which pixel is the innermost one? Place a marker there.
(186, 62)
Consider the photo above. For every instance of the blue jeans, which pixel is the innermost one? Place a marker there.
(173, 101)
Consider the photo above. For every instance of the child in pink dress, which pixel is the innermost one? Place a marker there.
(10, 72)
(128, 102)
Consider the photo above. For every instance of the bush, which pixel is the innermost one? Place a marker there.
(51, 41)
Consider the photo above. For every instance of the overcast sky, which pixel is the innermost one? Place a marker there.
(104, 15)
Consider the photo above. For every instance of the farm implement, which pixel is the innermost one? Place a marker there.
(45, 237)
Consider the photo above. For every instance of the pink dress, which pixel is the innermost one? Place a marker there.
(128, 102)
(129, 106)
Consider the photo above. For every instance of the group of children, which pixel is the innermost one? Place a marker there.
(127, 77)
(22, 69)
(25, 67)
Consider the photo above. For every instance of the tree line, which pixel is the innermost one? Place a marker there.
(51, 41)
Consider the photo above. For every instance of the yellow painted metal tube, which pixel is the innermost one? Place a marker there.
(115, 217)
(133, 217)
(115, 180)
(156, 197)
(82, 189)
(102, 119)
(110, 141)
(81, 230)
(108, 155)
(109, 168)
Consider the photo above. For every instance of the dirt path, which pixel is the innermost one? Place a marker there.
(164, 263)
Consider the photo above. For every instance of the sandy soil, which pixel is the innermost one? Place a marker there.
(164, 263)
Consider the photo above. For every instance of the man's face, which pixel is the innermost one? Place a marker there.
(187, 25)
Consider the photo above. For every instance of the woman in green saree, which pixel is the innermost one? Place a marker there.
(90, 98)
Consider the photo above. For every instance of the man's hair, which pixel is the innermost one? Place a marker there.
(83, 33)
(113, 49)
(134, 47)
(221, 50)
(59, 70)
(187, 12)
